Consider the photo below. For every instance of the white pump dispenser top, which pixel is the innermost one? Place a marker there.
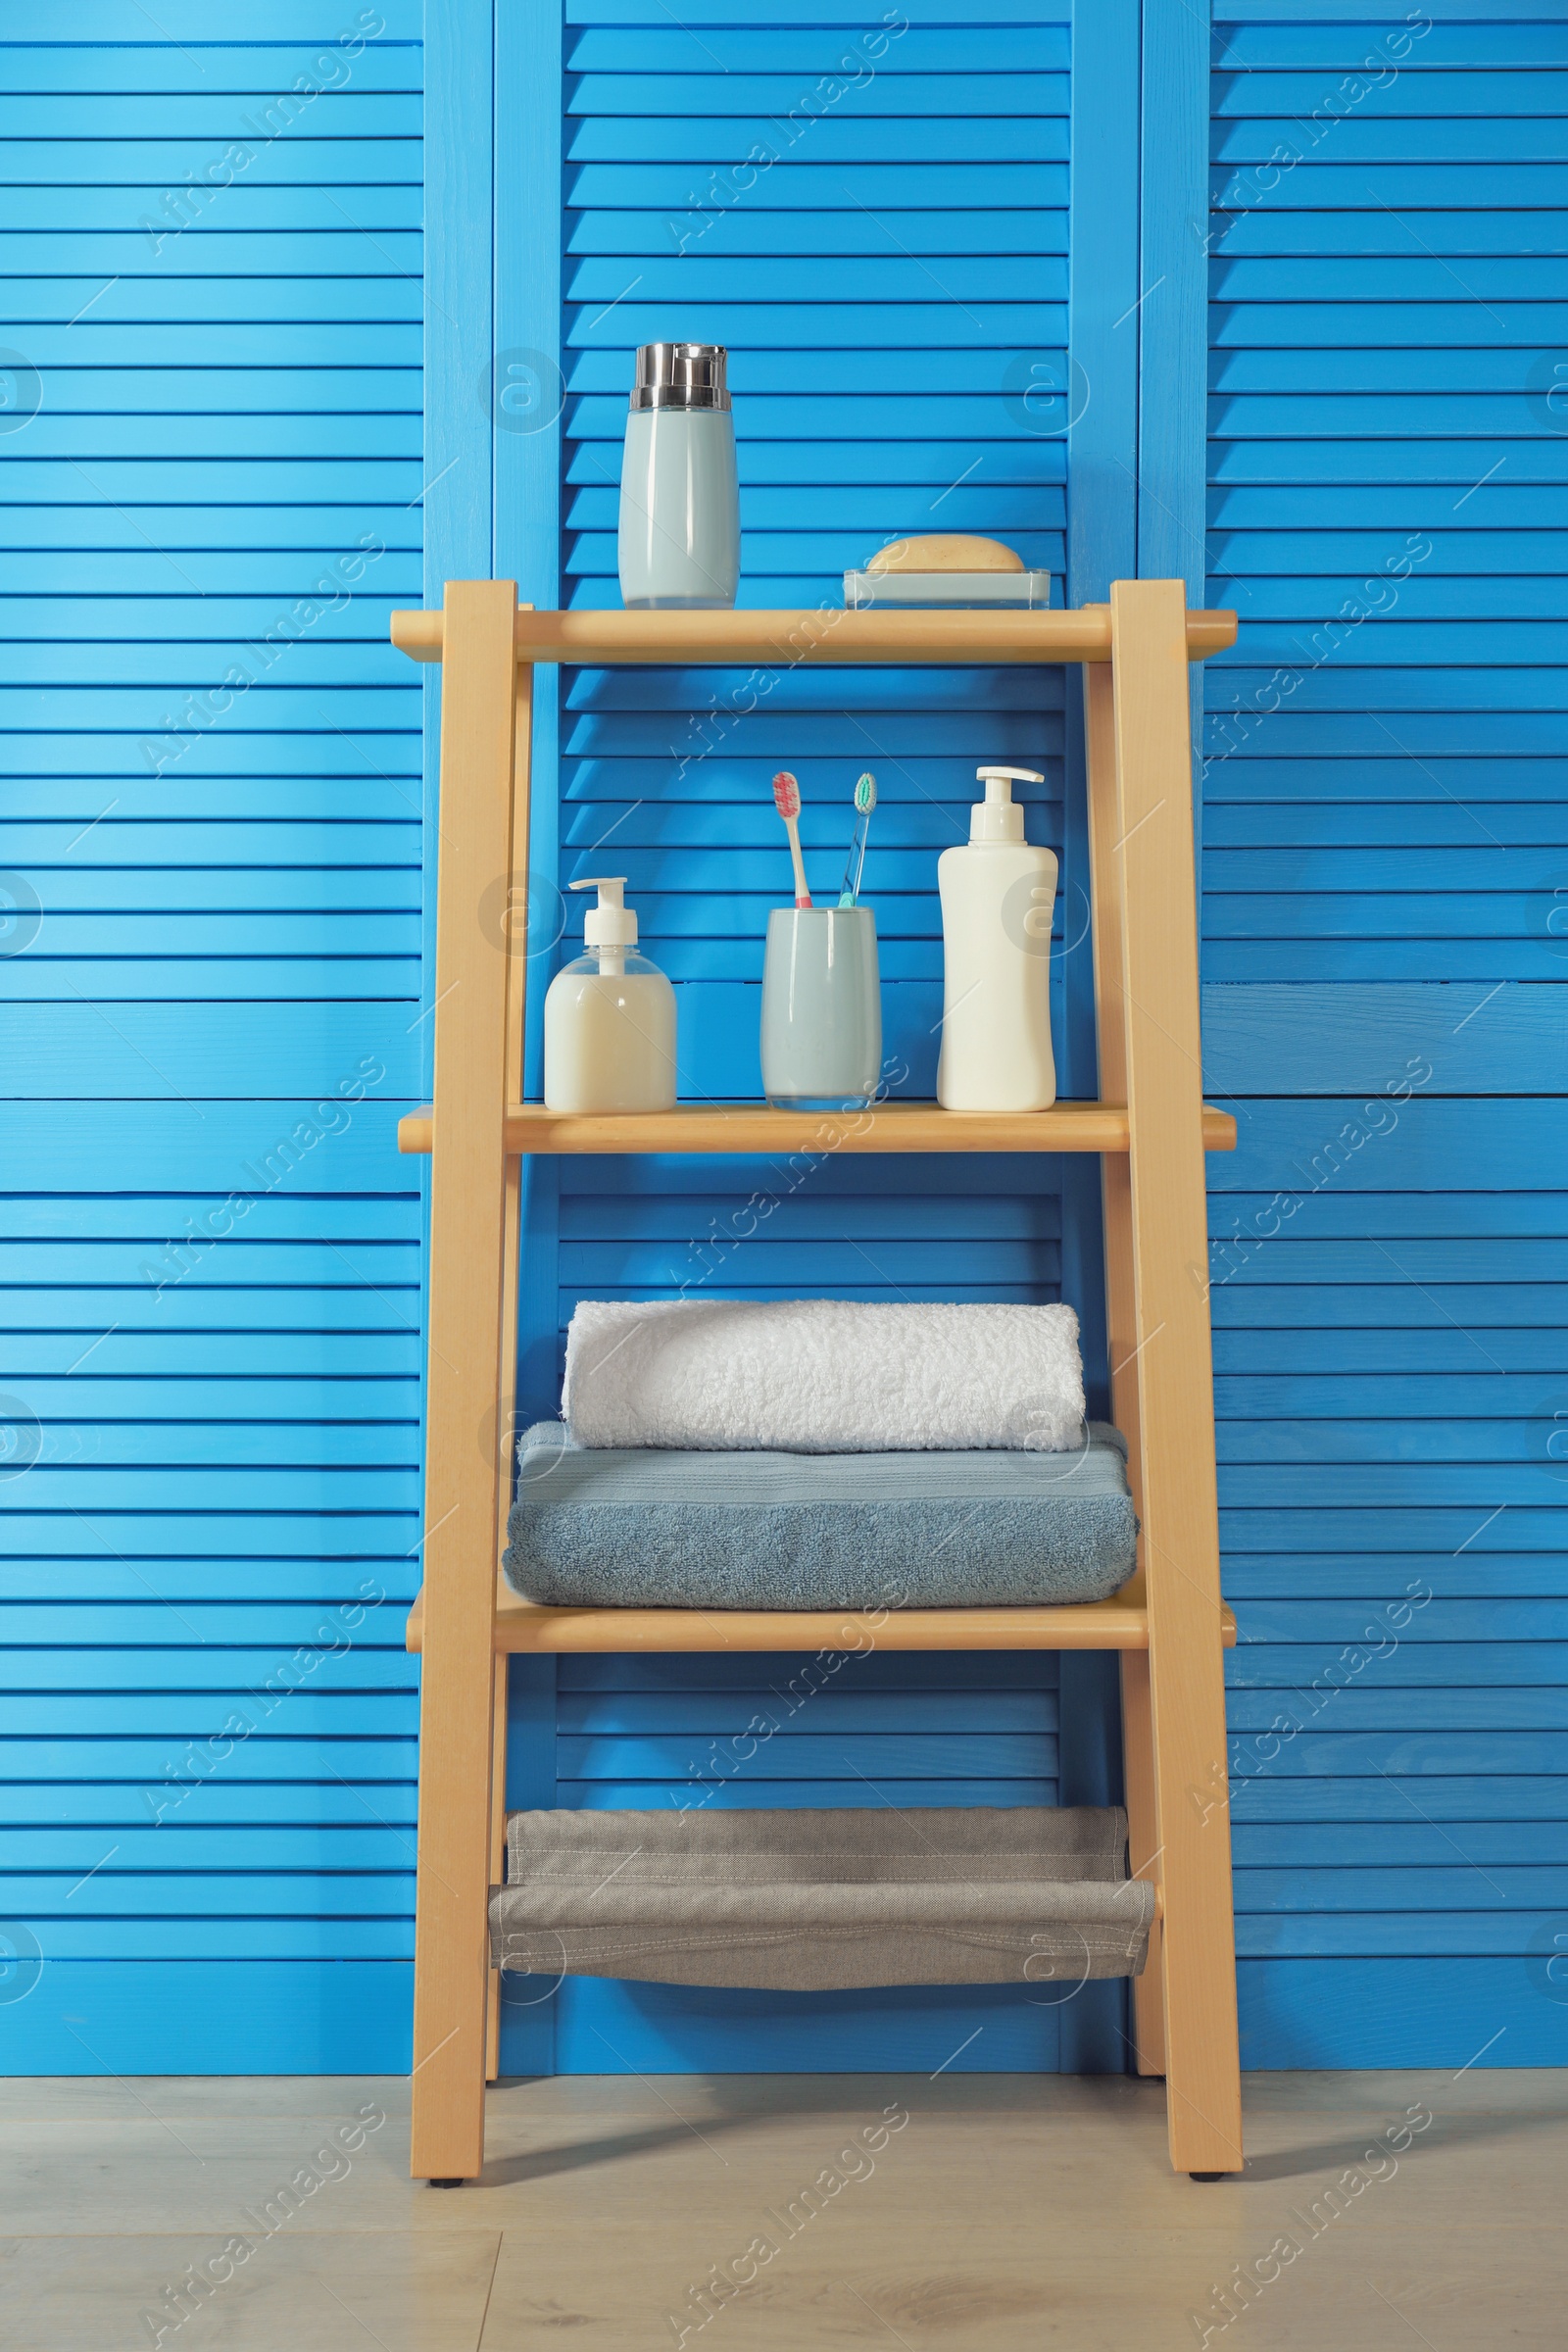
(997, 818)
(611, 923)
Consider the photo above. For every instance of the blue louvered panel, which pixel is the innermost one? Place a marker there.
(905, 252)
(210, 1320)
(1383, 821)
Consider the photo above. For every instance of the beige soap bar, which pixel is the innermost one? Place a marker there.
(945, 551)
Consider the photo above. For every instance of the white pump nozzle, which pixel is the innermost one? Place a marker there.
(612, 923)
(997, 818)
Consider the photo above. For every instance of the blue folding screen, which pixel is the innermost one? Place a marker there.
(1385, 867)
(211, 454)
(963, 286)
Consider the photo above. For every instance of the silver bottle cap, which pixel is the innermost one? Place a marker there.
(681, 376)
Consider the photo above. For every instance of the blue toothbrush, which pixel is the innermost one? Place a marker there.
(864, 803)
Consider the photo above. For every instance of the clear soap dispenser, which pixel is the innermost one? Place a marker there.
(610, 1018)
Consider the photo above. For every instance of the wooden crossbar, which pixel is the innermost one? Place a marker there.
(786, 639)
(529, 1628)
(1169, 1624)
(1102, 1127)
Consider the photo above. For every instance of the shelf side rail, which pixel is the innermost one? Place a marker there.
(1172, 1351)
(477, 1002)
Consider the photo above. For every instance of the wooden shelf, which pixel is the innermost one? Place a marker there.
(1120, 1623)
(781, 640)
(753, 1127)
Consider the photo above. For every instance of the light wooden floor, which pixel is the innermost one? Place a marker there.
(1004, 2215)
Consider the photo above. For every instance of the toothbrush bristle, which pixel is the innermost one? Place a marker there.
(865, 794)
(786, 794)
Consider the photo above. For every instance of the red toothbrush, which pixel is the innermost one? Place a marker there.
(787, 801)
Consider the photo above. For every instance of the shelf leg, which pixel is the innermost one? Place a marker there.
(462, 1472)
(1137, 1750)
(517, 960)
(498, 1853)
(1143, 1846)
(1175, 1372)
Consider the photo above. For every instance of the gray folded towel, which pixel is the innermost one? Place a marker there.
(819, 1900)
(638, 1527)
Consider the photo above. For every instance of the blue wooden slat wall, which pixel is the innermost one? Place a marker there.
(1385, 858)
(894, 293)
(210, 1253)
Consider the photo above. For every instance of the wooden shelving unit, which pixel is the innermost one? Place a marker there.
(1152, 1130)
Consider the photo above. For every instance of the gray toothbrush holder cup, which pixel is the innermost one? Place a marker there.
(821, 1009)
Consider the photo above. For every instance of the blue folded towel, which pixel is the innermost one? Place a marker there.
(610, 1527)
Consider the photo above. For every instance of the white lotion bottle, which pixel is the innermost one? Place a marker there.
(610, 1018)
(997, 895)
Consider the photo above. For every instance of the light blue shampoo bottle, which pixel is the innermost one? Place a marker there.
(679, 544)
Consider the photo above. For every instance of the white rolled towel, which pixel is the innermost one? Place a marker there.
(824, 1376)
